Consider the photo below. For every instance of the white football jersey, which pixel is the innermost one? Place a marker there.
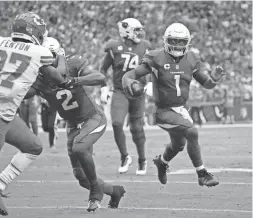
(19, 67)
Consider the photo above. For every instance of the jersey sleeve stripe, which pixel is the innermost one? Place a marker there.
(46, 57)
(111, 53)
(46, 61)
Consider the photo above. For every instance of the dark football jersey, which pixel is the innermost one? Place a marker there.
(125, 58)
(171, 80)
(73, 105)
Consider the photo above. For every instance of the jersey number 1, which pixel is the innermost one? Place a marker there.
(130, 63)
(66, 103)
(20, 60)
(177, 78)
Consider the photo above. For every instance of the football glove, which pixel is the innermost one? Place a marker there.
(105, 94)
(217, 74)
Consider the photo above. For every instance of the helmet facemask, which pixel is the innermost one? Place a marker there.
(176, 46)
(176, 39)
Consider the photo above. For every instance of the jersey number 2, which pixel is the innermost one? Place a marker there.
(65, 104)
(130, 63)
(20, 60)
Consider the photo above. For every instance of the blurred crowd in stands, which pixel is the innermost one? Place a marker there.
(221, 31)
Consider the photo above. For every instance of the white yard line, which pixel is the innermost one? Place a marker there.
(134, 208)
(207, 126)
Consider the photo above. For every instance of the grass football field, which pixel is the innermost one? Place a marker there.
(48, 189)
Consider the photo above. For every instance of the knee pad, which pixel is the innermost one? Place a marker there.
(192, 133)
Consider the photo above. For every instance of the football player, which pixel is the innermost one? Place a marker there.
(86, 123)
(48, 114)
(123, 55)
(21, 57)
(172, 69)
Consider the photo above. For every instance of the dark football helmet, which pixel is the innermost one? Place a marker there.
(29, 27)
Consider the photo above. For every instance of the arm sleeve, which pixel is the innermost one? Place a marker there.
(148, 61)
(107, 61)
(199, 75)
(140, 71)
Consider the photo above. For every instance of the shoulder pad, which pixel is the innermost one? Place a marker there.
(75, 63)
(112, 44)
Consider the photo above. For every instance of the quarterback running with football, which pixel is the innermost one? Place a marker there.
(21, 57)
(86, 123)
(172, 69)
(123, 55)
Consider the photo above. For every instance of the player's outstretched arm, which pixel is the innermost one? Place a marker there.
(92, 78)
(207, 81)
(107, 61)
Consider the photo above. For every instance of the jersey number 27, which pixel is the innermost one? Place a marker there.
(22, 62)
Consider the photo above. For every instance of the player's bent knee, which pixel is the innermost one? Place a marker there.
(180, 148)
(79, 174)
(136, 124)
(81, 149)
(192, 133)
(117, 124)
(34, 147)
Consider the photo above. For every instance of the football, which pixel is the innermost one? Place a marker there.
(138, 89)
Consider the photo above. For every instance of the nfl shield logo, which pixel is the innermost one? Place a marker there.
(120, 48)
(177, 67)
(166, 66)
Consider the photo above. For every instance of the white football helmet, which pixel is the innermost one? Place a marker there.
(176, 39)
(53, 45)
(131, 28)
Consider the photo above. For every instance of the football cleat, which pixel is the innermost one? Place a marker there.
(142, 168)
(96, 196)
(162, 168)
(206, 178)
(118, 193)
(3, 209)
(125, 163)
(93, 205)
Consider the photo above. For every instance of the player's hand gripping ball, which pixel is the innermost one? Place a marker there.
(137, 90)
